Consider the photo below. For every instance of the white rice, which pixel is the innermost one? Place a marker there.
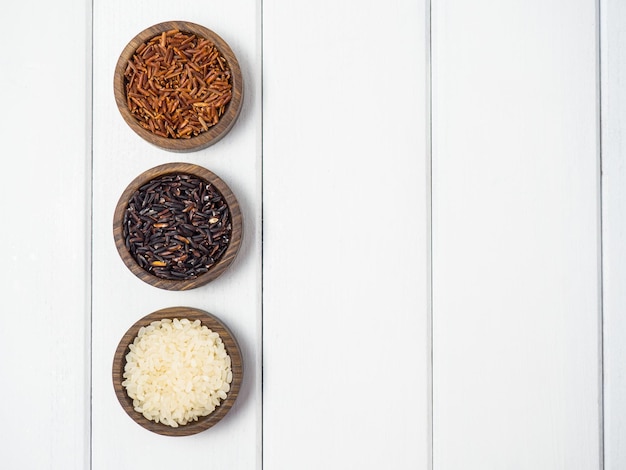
(177, 371)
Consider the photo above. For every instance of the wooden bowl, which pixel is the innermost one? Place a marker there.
(216, 269)
(232, 349)
(204, 139)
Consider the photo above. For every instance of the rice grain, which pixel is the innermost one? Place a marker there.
(177, 371)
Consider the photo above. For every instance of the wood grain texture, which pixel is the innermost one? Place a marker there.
(515, 235)
(613, 88)
(218, 268)
(232, 349)
(204, 139)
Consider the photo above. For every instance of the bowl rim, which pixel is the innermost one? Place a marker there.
(232, 348)
(218, 268)
(204, 139)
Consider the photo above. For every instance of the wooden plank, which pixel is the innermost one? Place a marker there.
(345, 198)
(515, 235)
(120, 298)
(613, 73)
(44, 90)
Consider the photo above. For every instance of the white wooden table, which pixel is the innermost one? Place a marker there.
(433, 264)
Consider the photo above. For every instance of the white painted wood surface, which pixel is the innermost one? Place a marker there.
(515, 235)
(335, 144)
(44, 129)
(613, 73)
(119, 298)
(345, 191)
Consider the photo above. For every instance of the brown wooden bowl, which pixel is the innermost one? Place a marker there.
(232, 349)
(204, 139)
(219, 267)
